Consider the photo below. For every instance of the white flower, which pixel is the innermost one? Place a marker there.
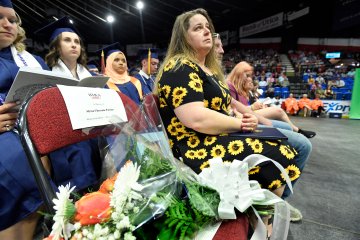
(129, 236)
(77, 226)
(62, 205)
(90, 236)
(136, 209)
(117, 234)
(124, 187)
(85, 232)
(105, 231)
(97, 230)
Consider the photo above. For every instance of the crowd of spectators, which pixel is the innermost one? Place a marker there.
(261, 59)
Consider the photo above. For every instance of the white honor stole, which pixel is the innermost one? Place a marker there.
(24, 58)
(81, 71)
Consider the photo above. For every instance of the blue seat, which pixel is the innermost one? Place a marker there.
(285, 94)
(338, 95)
(284, 89)
(347, 96)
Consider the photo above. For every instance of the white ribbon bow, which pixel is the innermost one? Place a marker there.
(231, 181)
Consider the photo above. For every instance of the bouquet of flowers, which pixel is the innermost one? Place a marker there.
(151, 195)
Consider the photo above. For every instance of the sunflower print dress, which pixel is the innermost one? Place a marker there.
(189, 83)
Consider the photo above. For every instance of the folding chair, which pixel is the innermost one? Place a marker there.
(44, 126)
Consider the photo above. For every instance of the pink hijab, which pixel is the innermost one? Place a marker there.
(110, 72)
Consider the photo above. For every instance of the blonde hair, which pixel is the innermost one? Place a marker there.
(20, 38)
(180, 49)
(237, 78)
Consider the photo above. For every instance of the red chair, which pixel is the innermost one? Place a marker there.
(44, 126)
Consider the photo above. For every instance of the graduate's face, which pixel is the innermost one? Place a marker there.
(154, 65)
(199, 34)
(119, 64)
(8, 27)
(70, 48)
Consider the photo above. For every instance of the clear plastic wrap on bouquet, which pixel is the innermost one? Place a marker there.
(142, 140)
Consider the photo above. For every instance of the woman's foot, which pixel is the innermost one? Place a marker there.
(308, 134)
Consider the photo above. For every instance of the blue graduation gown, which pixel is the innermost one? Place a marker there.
(129, 90)
(147, 84)
(19, 196)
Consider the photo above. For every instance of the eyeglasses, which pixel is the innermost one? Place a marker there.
(216, 35)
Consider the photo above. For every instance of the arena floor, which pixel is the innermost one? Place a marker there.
(328, 193)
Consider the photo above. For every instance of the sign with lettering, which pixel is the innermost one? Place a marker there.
(89, 107)
(262, 25)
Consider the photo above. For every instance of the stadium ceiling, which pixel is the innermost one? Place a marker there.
(158, 16)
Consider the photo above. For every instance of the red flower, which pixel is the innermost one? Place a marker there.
(108, 185)
(51, 237)
(93, 208)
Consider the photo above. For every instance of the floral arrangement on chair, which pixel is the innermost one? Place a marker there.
(154, 196)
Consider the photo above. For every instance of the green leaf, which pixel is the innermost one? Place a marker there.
(204, 199)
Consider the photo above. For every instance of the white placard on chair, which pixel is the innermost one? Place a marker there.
(90, 107)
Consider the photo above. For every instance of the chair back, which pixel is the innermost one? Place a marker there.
(44, 126)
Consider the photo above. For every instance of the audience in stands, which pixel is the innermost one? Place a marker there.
(241, 85)
(329, 94)
(285, 81)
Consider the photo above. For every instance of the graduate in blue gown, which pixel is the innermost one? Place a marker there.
(149, 66)
(67, 54)
(19, 196)
(117, 69)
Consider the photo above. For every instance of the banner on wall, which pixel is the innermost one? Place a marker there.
(337, 106)
(262, 25)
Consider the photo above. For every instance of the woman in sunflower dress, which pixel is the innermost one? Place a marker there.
(195, 107)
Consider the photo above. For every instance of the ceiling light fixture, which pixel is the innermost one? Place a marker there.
(140, 5)
(110, 18)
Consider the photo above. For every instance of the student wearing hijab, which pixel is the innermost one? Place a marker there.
(19, 196)
(117, 69)
(67, 52)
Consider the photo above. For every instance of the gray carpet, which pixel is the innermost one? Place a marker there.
(328, 193)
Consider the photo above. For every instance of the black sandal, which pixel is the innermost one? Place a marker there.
(308, 134)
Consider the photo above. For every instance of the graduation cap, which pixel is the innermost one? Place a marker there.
(6, 3)
(148, 54)
(92, 64)
(144, 53)
(106, 51)
(109, 49)
(52, 30)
